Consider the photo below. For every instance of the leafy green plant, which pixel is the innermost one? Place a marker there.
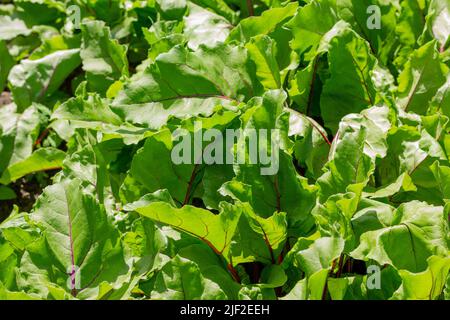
(93, 206)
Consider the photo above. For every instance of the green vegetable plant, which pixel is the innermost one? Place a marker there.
(118, 180)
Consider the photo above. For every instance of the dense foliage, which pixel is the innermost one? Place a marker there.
(93, 207)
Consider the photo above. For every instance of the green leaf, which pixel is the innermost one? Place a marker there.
(56, 43)
(364, 21)
(158, 196)
(308, 31)
(447, 289)
(180, 279)
(184, 84)
(218, 6)
(19, 132)
(422, 230)
(215, 230)
(349, 165)
(320, 254)
(438, 21)
(442, 176)
(8, 263)
(350, 88)
(12, 295)
(259, 239)
(212, 268)
(402, 184)
(79, 236)
(162, 36)
(262, 51)
(272, 23)
(49, 11)
(354, 177)
(86, 108)
(311, 146)
(17, 230)
(356, 288)
(273, 276)
(213, 178)
(276, 186)
(142, 244)
(171, 9)
(104, 59)
(111, 11)
(156, 153)
(41, 160)
(426, 285)
(441, 100)
(203, 27)
(411, 22)
(310, 288)
(6, 64)
(412, 151)
(11, 28)
(7, 193)
(36, 274)
(333, 217)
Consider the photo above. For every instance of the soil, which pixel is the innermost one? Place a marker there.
(5, 98)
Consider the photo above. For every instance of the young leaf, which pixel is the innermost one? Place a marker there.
(41, 160)
(423, 75)
(35, 80)
(104, 59)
